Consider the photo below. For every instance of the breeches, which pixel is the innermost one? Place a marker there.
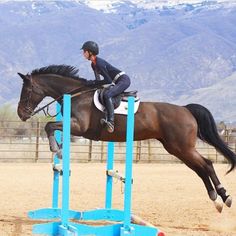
(121, 85)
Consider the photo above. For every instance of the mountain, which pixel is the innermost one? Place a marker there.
(207, 96)
(111, 5)
(178, 53)
(31, 42)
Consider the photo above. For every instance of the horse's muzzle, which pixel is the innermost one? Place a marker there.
(23, 114)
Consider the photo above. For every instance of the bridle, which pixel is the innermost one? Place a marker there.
(73, 92)
(58, 99)
(30, 91)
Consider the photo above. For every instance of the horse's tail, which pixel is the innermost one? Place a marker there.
(207, 132)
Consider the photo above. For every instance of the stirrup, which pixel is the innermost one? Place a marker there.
(103, 121)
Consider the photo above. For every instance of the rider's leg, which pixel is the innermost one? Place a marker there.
(110, 114)
(121, 85)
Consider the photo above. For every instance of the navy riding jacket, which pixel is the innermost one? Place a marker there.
(105, 69)
(109, 73)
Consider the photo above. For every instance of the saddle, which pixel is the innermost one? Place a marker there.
(120, 102)
(118, 99)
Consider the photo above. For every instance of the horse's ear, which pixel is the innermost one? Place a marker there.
(22, 76)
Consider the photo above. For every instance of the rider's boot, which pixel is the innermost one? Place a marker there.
(110, 116)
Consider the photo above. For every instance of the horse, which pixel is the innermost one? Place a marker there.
(176, 127)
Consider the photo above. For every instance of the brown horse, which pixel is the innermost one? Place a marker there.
(176, 127)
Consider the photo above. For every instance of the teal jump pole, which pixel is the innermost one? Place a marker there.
(56, 161)
(109, 183)
(66, 161)
(128, 169)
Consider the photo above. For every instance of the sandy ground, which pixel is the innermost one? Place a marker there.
(169, 196)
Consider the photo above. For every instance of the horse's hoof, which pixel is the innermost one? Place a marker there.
(218, 204)
(228, 201)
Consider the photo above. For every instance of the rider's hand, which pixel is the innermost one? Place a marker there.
(90, 82)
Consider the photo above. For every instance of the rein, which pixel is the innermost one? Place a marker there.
(77, 93)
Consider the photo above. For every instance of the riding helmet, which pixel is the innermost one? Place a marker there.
(91, 46)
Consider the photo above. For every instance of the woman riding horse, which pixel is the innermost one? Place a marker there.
(113, 76)
(176, 127)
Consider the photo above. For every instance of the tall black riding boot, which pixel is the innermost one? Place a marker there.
(110, 115)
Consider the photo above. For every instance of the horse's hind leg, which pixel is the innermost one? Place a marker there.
(201, 167)
(197, 163)
(227, 199)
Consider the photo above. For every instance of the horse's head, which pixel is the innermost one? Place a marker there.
(31, 96)
(52, 81)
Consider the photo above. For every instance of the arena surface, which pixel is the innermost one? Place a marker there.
(169, 196)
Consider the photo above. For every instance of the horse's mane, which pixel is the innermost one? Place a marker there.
(63, 70)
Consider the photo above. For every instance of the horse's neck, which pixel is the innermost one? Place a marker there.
(55, 86)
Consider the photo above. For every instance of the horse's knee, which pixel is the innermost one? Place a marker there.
(48, 129)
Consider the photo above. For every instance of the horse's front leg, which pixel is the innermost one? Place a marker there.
(51, 127)
(50, 130)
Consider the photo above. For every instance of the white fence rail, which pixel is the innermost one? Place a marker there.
(27, 142)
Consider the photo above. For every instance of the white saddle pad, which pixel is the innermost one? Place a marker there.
(122, 109)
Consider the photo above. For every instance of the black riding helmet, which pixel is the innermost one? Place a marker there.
(91, 47)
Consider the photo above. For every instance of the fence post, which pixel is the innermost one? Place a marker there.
(216, 156)
(227, 135)
(90, 150)
(138, 151)
(102, 151)
(149, 150)
(37, 141)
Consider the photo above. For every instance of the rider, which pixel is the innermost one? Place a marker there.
(111, 75)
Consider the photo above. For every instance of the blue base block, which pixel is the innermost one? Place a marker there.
(45, 214)
(98, 214)
(117, 229)
(74, 229)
